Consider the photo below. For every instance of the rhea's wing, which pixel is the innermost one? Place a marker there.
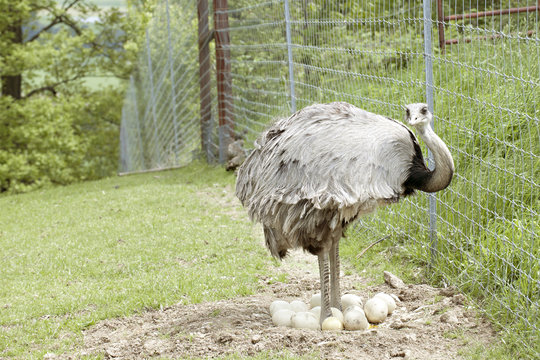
(336, 156)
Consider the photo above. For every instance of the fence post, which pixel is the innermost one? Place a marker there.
(440, 18)
(204, 77)
(173, 86)
(428, 64)
(135, 104)
(224, 81)
(153, 100)
(290, 55)
(124, 153)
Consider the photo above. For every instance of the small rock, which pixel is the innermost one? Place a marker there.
(255, 338)
(155, 347)
(236, 154)
(224, 339)
(449, 291)
(406, 317)
(410, 337)
(393, 280)
(407, 325)
(446, 302)
(406, 354)
(49, 356)
(449, 318)
(458, 299)
(117, 349)
(104, 339)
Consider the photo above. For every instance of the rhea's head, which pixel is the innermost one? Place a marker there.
(418, 115)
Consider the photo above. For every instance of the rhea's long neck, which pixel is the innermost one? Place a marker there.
(444, 164)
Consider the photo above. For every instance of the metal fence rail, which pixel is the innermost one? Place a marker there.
(475, 63)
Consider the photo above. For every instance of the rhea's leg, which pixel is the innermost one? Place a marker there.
(335, 295)
(325, 279)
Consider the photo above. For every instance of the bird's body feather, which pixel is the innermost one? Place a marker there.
(313, 173)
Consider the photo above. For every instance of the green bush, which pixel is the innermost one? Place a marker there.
(47, 140)
(98, 127)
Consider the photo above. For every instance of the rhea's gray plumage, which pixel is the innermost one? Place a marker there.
(312, 174)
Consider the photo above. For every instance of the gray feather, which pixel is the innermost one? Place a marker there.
(313, 173)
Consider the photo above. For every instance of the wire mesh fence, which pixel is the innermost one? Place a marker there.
(161, 118)
(474, 62)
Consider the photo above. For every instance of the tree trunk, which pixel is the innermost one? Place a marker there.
(12, 84)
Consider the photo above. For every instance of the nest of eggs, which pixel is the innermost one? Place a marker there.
(355, 316)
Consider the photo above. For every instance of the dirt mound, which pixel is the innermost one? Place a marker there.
(428, 323)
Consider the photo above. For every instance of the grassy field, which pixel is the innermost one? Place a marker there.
(72, 256)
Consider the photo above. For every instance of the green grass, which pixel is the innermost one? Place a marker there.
(74, 255)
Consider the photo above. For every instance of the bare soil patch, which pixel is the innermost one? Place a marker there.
(429, 323)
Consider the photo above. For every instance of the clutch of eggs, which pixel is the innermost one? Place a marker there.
(299, 315)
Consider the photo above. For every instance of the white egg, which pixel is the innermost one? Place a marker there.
(332, 323)
(316, 311)
(376, 310)
(298, 306)
(305, 320)
(337, 314)
(315, 301)
(352, 308)
(355, 320)
(349, 300)
(389, 301)
(278, 305)
(283, 317)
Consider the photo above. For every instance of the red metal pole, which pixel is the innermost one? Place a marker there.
(204, 77)
(224, 80)
(440, 18)
(494, 13)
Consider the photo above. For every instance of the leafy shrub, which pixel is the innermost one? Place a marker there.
(47, 141)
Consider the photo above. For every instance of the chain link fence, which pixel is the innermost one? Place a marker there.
(161, 117)
(476, 63)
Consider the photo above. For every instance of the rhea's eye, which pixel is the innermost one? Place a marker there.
(424, 110)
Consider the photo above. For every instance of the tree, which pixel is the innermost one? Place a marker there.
(54, 128)
(50, 38)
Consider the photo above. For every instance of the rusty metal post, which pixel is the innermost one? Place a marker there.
(290, 54)
(224, 80)
(440, 18)
(499, 12)
(205, 83)
(173, 85)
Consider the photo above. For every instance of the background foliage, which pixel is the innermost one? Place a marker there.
(59, 121)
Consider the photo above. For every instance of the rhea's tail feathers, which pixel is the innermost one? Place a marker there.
(275, 243)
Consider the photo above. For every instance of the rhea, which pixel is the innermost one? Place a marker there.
(312, 174)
